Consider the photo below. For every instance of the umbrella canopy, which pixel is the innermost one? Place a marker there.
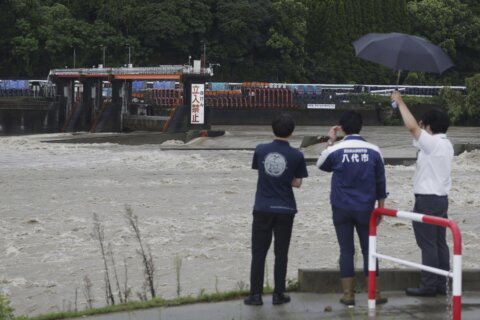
(400, 51)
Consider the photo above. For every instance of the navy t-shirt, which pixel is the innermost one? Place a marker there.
(277, 164)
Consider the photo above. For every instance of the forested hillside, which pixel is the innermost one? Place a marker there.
(261, 40)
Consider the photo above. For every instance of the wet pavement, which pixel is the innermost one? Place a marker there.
(306, 306)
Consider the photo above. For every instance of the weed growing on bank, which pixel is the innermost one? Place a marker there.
(6, 312)
(144, 251)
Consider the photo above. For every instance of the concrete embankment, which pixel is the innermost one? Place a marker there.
(264, 116)
(328, 281)
(139, 138)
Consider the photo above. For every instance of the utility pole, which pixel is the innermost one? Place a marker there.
(204, 53)
(103, 49)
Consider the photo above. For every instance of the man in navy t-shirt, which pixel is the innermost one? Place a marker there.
(280, 167)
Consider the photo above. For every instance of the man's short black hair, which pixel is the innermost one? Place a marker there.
(437, 119)
(351, 122)
(283, 125)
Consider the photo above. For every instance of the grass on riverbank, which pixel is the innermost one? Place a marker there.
(202, 297)
(137, 305)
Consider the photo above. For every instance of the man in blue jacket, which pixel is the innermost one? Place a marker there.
(280, 167)
(358, 182)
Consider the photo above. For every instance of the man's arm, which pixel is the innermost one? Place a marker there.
(297, 182)
(300, 173)
(255, 160)
(407, 116)
(332, 137)
(381, 203)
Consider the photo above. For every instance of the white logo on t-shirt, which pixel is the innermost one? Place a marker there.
(275, 164)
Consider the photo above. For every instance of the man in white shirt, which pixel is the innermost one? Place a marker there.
(431, 184)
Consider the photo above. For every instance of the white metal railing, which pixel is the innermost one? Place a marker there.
(456, 273)
(164, 69)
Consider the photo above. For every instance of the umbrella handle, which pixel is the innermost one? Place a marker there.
(398, 77)
(393, 103)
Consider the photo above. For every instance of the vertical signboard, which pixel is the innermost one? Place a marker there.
(198, 104)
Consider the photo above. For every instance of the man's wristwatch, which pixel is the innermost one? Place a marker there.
(329, 143)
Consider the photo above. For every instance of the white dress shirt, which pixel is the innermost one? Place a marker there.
(434, 164)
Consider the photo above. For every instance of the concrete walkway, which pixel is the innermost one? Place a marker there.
(306, 306)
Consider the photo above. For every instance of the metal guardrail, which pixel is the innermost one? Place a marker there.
(164, 69)
(456, 273)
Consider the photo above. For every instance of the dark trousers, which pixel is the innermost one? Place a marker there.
(345, 222)
(264, 225)
(431, 239)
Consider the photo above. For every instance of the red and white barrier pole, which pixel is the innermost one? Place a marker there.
(456, 275)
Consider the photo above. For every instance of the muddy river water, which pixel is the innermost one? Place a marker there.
(193, 205)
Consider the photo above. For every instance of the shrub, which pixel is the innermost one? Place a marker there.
(454, 102)
(472, 102)
(6, 312)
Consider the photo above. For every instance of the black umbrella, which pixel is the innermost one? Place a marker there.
(400, 51)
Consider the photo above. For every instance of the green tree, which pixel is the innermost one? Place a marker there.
(238, 36)
(120, 14)
(415, 78)
(7, 23)
(44, 37)
(287, 39)
(453, 26)
(472, 102)
(23, 44)
(271, 40)
(334, 25)
(24, 47)
(454, 102)
(57, 34)
(196, 17)
(170, 31)
(463, 109)
(85, 10)
(320, 40)
(474, 5)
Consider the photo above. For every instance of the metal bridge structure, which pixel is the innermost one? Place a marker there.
(160, 99)
(84, 106)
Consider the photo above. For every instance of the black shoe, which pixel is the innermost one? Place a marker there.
(381, 300)
(253, 300)
(420, 292)
(280, 298)
(348, 303)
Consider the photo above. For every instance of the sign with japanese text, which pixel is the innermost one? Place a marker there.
(355, 155)
(198, 104)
